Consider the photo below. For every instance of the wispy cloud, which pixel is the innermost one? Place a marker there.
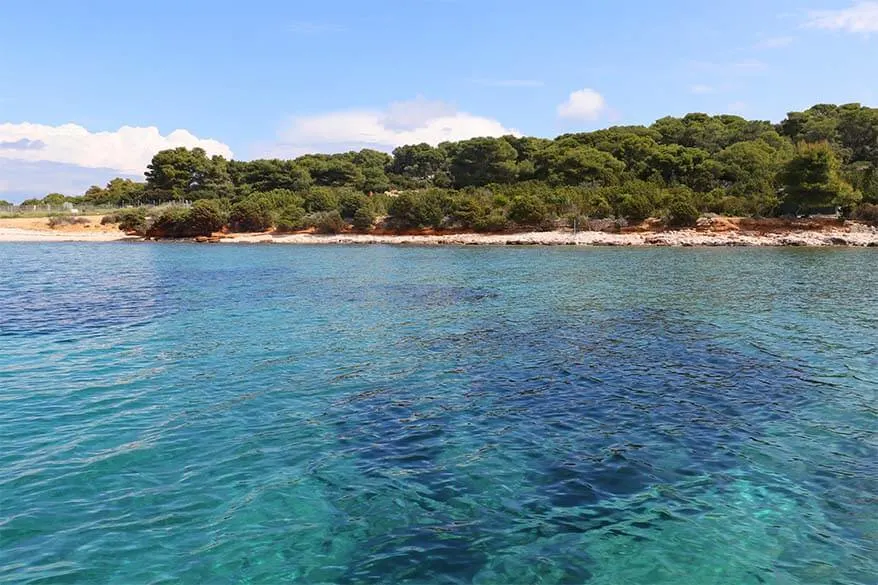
(713, 77)
(743, 67)
(773, 43)
(509, 82)
(750, 66)
(861, 17)
(737, 107)
(307, 27)
(22, 144)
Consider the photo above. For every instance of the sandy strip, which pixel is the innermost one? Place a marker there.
(25, 235)
(854, 235)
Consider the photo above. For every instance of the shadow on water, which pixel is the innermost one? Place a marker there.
(585, 414)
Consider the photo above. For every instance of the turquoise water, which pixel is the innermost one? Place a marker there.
(231, 414)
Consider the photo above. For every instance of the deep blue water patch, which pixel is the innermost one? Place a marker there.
(199, 414)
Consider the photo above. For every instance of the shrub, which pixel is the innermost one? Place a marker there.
(277, 199)
(321, 199)
(171, 222)
(635, 207)
(712, 200)
(732, 205)
(499, 200)
(867, 212)
(251, 215)
(417, 210)
(467, 211)
(206, 216)
(129, 220)
(349, 202)
(364, 219)
(379, 203)
(55, 199)
(681, 213)
(527, 210)
(326, 222)
(291, 219)
(599, 207)
(61, 220)
(493, 222)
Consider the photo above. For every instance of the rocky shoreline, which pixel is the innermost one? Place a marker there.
(859, 236)
(851, 235)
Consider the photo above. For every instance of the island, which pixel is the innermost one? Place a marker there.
(696, 180)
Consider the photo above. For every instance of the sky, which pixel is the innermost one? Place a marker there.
(90, 90)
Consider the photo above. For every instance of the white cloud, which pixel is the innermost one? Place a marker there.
(773, 43)
(408, 122)
(702, 89)
(585, 104)
(127, 150)
(737, 108)
(861, 17)
(411, 114)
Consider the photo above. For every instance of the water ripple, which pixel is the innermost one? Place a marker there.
(187, 414)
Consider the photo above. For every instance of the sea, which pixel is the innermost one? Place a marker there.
(260, 414)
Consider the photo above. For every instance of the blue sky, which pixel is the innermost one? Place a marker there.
(280, 78)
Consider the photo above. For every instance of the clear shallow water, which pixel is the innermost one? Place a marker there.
(200, 414)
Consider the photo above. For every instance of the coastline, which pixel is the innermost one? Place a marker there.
(9, 234)
(854, 235)
(861, 236)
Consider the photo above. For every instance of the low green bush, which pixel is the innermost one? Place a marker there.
(251, 215)
(493, 222)
(867, 212)
(527, 211)
(321, 199)
(350, 201)
(419, 209)
(681, 213)
(635, 207)
(326, 222)
(206, 216)
(59, 220)
(467, 211)
(290, 219)
(598, 207)
(133, 220)
(364, 219)
(171, 222)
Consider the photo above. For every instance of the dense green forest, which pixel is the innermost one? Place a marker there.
(675, 169)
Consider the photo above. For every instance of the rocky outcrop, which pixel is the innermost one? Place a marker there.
(848, 236)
